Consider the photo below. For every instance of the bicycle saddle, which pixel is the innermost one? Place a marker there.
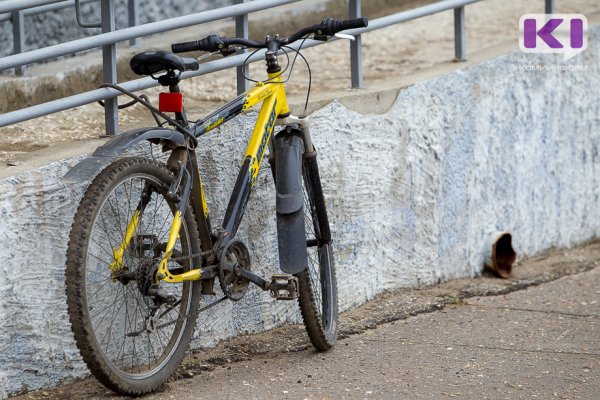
(154, 61)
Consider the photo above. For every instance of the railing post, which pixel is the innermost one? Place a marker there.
(550, 6)
(132, 15)
(241, 30)
(109, 67)
(355, 11)
(460, 49)
(18, 36)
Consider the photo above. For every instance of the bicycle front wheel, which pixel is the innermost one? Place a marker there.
(317, 283)
(130, 339)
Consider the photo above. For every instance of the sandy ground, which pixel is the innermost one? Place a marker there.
(389, 55)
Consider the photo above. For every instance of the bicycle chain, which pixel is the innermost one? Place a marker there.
(203, 254)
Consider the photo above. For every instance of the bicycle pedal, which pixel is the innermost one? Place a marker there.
(284, 287)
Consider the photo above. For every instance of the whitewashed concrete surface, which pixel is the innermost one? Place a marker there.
(411, 194)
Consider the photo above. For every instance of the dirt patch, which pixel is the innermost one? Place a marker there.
(389, 307)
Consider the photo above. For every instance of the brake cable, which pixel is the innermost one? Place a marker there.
(307, 66)
(288, 65)
(155, 111)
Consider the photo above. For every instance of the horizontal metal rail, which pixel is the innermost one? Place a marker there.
(114, 37)
(123, 35)
(16, 5)
(93, 96)
(145, 83)
(46, 8)
(412, 14)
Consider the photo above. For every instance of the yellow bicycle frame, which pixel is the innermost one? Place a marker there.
(274, 104)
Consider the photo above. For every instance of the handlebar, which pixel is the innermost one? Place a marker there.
(329, 27)
(213, 43)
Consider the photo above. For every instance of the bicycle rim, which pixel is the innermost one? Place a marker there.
(318, 298)
(130, 343)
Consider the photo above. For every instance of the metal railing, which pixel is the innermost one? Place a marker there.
(110, 37)
(29, 8)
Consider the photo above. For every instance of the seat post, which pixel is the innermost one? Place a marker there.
(171, 79)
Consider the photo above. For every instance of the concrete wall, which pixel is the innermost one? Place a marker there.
(59, 26)
(411, 193)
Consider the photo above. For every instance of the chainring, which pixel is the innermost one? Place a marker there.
(234, 253)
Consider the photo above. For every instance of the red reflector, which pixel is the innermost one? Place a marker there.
(170, 102)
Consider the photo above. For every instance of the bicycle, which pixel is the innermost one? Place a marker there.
(142, 249)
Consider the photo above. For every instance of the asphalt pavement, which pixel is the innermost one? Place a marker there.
(535, 335)
(542, 342)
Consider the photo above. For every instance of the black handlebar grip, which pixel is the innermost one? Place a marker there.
(185, 47)
(331, 26)
(211, 43)
(354, 23)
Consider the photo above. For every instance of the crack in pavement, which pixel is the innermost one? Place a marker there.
(487, 347)
(534, 310)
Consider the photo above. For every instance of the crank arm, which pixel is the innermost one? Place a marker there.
(210, 272)
(257, 280)
(287, 290)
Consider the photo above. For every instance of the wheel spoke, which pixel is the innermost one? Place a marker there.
(317, 283)
(116, 307)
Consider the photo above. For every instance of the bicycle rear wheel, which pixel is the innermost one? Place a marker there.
(317, 283)
(130, 340)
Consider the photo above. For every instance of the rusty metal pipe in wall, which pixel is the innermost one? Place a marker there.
(499, 254)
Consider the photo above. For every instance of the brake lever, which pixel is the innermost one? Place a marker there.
(227, 51)
(344, 36)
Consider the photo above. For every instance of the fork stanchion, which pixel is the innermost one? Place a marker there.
(459, 35)
(355, 11)
(241, 31)
(109, 68)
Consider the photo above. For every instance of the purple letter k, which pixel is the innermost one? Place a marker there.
(530, 33)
